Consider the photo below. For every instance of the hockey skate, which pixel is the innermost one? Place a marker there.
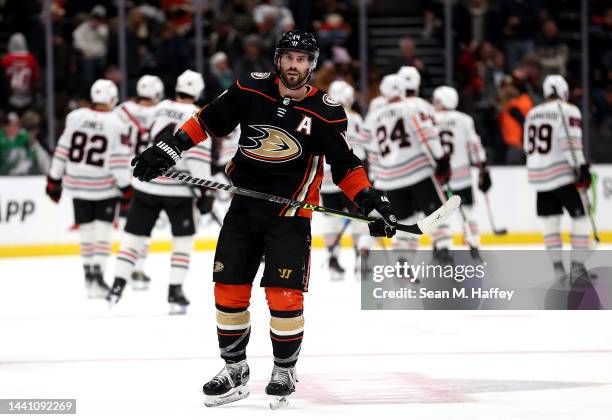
(140, 281)
(578, 275)
(559, 271)
(442, 256)
(116, 291)
(228, 386)
(281, 385)
(96, 288)
(475, 254)
(335, 269)
(177, 300)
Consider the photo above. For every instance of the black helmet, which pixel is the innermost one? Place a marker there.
(297, 40)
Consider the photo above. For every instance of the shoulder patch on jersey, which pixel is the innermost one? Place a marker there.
(260, 75)
(328, 100)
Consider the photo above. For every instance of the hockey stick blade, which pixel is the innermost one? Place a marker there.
(430, 222)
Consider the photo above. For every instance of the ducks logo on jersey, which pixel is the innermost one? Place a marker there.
(273, 144)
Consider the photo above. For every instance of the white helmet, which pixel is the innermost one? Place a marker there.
(446, 96)
(377, 103)
(190, 83)
(105, 92)
(555, 84)
(411, 76)
(342, 92)
(392, 86)
(150, 87)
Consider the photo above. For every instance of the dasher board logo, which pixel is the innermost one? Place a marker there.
(260, 76)
(273, 144)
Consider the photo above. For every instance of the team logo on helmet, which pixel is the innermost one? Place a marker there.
(260, 76)
(273, 144)
(328, 100)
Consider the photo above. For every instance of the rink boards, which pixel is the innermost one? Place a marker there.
(30, 224)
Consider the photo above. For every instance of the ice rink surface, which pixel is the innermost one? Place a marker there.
(138, 362)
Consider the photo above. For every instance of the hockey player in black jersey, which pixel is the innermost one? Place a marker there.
(287, 129)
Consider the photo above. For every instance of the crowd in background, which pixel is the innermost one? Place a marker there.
(503, 49)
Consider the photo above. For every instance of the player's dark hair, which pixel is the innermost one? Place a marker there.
(182, 95)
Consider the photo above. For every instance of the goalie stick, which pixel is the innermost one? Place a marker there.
(425, 225)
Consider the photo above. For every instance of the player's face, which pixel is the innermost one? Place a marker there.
(294, 67)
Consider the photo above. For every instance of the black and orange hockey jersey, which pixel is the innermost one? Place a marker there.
(283, 142)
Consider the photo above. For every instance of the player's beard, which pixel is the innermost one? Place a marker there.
(296, 80)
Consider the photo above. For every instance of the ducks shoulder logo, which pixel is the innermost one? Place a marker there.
(272, 144)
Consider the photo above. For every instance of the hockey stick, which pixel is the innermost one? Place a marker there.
(582, 193)
(425, 225)
(498, 232)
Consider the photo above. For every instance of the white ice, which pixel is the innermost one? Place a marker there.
(138, 362)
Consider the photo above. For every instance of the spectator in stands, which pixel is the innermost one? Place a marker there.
(23, 73)
(332, 31)
(532, 68)
(179, 13)
(266, 23)
(41, 156)
(225, 39)
(432, 26)
(475, 21)
(601, 50)
(64, 68)
(16, 156)
(252, 61)
(221, 71)
(282, 16)
(553, 52)
(90, 40)
(172, 56)
(408, 57)
(515, 104)
(520, 25)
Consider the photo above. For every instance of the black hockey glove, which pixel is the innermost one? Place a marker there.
(160, 157)
(369, 200)
(443, 169)
(205, 202)
(125, 201)
(584, 178)
(54, 189)
(484, 180)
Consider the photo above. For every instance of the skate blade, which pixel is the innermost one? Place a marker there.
(140, 286)
(277, 401)
(112, 300)
(236, 394)
(176, 309)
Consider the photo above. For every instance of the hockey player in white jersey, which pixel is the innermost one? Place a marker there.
(412, 84)
(410, 155)
(139, 115)
(461, 142)
(92, 161)
(557, 170)
(173, 197)
(331, 195)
